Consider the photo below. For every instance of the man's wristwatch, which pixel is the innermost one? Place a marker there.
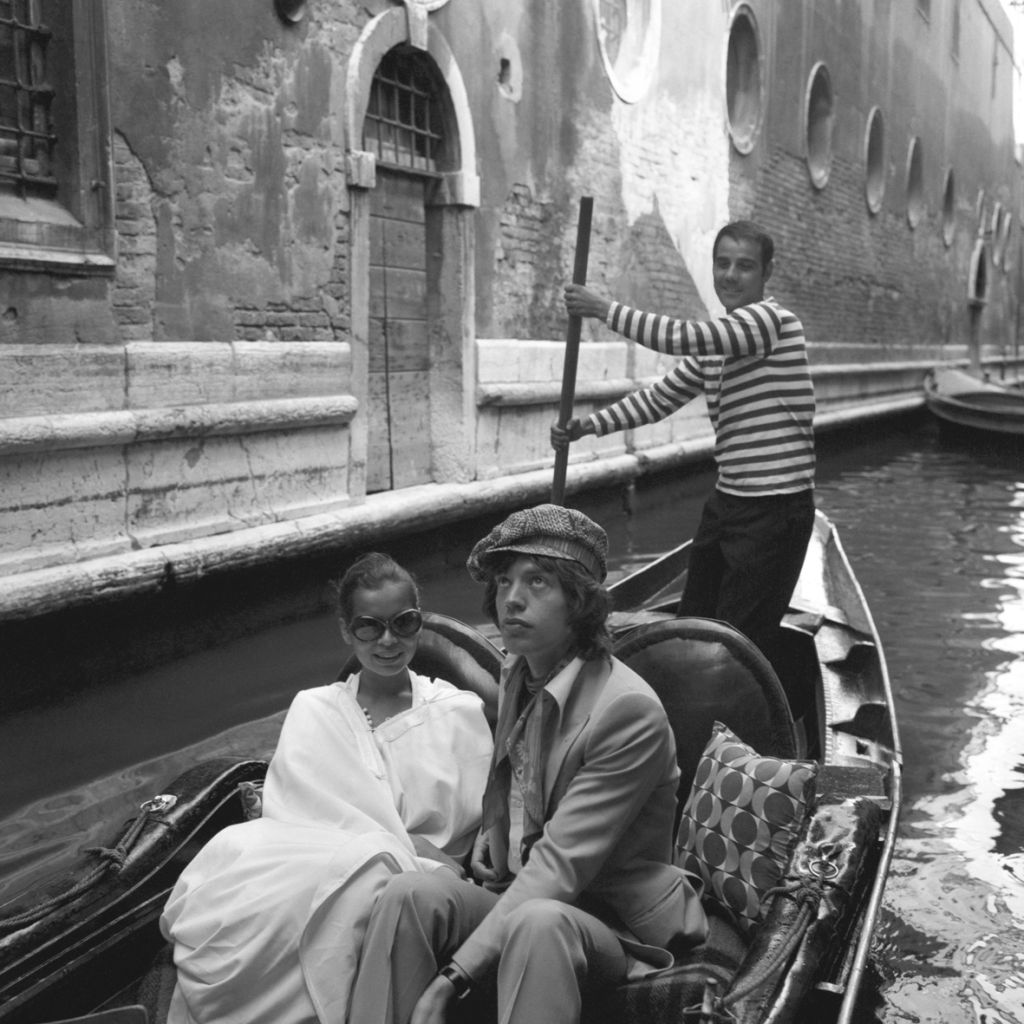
(460, 982)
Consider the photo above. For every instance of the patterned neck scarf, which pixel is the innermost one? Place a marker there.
(519, 750)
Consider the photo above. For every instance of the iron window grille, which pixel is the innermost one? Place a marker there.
(27, 138)
(403, 125)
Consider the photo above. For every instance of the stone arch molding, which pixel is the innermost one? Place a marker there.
(409, 24)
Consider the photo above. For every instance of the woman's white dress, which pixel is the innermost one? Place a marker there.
(267, 920)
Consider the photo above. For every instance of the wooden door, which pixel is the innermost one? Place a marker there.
(398, 452)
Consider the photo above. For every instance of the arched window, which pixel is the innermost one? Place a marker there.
(820, 119)
(1001, 220)
(404, 123)
(949, 208)
(977, 282)
(915, 183)
(874, 160)
(743, 84)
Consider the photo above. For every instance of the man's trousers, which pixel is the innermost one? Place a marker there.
(745, 560)
(553, 952)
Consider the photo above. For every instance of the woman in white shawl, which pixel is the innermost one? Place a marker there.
(380, 773)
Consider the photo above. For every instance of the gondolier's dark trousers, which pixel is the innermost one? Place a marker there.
(744, 563)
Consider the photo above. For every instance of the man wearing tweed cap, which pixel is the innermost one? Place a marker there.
(551, 530)
(575, 854)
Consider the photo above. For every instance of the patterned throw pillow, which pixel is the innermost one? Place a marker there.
(741, 822)
(251, 794)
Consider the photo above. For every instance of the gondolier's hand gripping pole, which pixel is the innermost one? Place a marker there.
(572, 347)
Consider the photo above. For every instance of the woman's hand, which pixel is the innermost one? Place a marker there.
(580, 302)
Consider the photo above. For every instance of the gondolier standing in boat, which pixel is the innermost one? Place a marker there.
(751, 366)
(575, 851)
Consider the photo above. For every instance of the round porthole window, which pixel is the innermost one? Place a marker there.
(874, 161)
(949, 208)
(820, 113)
(629, 36)
(743, 85)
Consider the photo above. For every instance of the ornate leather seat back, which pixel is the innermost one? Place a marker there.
(705, 670)
(451, 650)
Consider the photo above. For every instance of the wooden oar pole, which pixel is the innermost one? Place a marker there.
(572, 347)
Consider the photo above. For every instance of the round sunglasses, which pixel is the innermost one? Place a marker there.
(402, 624)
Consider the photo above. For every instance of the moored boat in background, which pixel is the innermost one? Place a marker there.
(88, 941)
(963, 401)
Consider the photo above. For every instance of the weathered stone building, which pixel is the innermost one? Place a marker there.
(278, 277)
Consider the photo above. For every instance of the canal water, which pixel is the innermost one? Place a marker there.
(934, 529)
(935, 532)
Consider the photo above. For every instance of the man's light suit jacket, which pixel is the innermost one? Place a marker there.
(610, 779)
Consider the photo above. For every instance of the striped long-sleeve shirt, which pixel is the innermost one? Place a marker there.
(751, 365)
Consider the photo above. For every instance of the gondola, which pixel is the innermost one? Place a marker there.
(969, 404)
(87, 942)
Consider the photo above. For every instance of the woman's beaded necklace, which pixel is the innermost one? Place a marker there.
(369, 718)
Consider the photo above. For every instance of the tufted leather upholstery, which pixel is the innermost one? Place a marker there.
(702, 670)
(705, 670)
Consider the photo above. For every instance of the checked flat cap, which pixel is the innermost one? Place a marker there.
(550, 530)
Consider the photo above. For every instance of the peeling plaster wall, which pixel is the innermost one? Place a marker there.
(232, 120)
(206, 386)
(673, 146)
(215, 379)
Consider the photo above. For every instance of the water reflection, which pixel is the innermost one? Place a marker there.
(942, 562)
